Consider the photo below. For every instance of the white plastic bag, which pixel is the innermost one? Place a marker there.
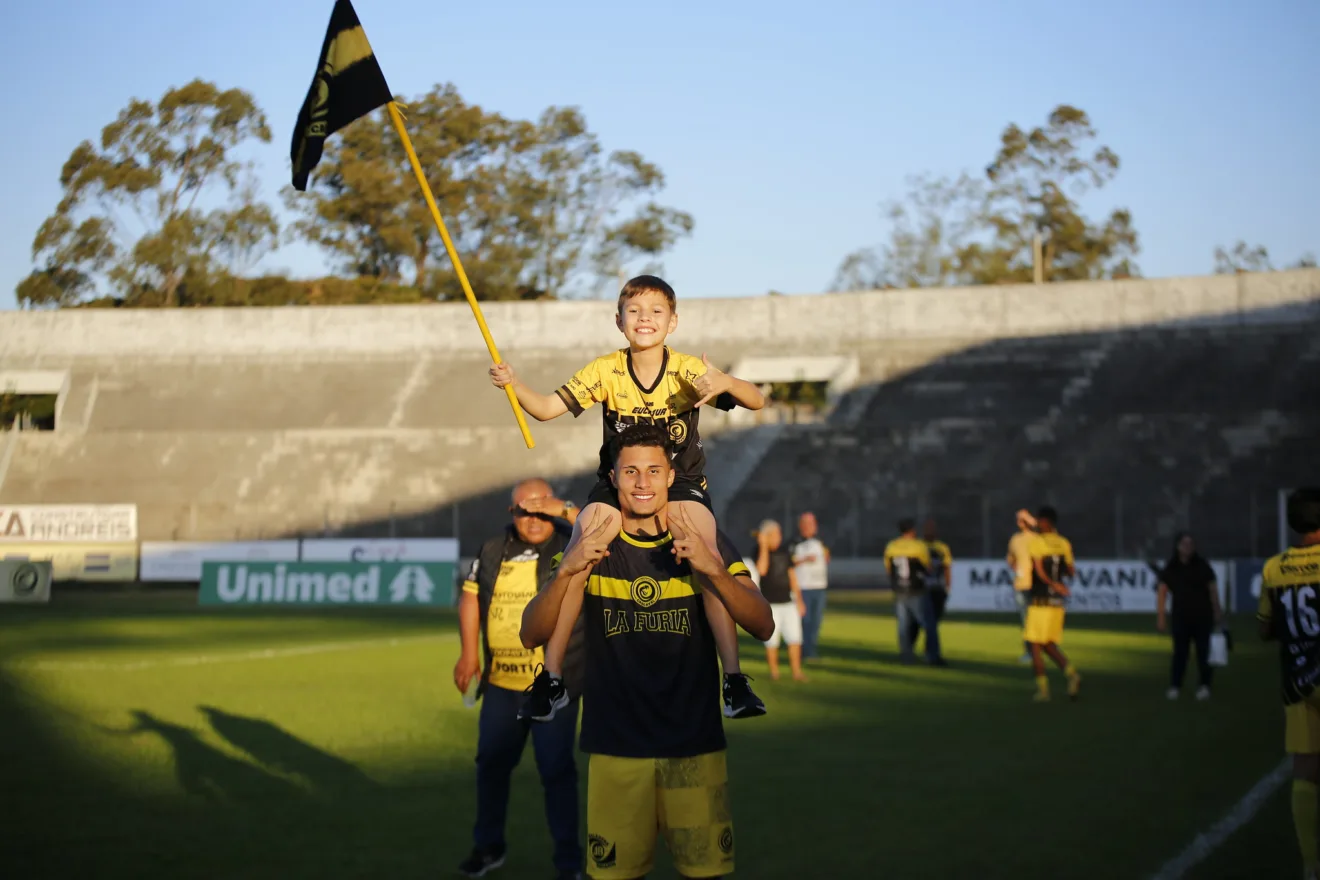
(1218, 649)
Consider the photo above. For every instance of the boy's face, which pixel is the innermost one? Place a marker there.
(645, 320)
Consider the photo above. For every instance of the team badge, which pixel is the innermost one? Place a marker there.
(645, 591)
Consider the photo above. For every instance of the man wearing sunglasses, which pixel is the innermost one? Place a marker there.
(504, 577)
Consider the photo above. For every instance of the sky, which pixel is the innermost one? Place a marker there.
(781, 127)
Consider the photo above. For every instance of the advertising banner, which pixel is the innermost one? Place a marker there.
(56, 523)
(1109, 585)
(182, 560)
(380, 550)
(78, 562)
(292, 584)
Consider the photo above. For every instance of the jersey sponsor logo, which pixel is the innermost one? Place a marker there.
(655, 412)
(677, 622)
(645, 591)
(618, 371)
(603, 852)
(677, 431)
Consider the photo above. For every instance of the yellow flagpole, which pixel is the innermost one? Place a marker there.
(397, 119)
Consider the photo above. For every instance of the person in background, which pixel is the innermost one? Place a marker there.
(1052, 561)
(1019, 559)
(1190, 580)
(780, 587)
(938, 581)
(907, 560)
(811, 560)
(507, 574)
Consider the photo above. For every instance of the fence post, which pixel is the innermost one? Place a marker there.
(985, 526)
(1118, 525)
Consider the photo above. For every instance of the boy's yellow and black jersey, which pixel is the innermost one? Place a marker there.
(652, 683)
(1290, 604)
(908, 561)
(1056, 555)
(669, 402)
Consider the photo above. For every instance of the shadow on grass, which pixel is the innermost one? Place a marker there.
(273, 747)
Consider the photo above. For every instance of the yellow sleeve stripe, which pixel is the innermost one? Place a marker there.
(740, 568)
(470, 587)
(643, 590)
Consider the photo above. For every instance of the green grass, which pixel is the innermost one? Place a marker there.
(141, 737)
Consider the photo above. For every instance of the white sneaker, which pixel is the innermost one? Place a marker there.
(1203, 693)
(1171, 693)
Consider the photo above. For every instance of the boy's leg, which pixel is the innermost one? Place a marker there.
(1038, 666)
(548, 695)
(1061, 660)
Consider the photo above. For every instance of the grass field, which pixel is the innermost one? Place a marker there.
(140, 737)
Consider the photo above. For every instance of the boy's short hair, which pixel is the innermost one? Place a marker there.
(648, 284)
(906, 524)
(1048, 513)
(1304, 510)
(641, 435)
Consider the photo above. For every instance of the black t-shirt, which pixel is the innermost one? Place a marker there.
(774, 583)
(1189, 582)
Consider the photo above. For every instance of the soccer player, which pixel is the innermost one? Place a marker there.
(651, 718)
(1289, 613)
(1019, 559)
(1051, 561)
(645, 383)
(907, 559)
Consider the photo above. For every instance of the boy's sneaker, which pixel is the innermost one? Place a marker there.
(739, 701)
(481, 862)
(1171, 694)
(546, 696)
(1203, 693)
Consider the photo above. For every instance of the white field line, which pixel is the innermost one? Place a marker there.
(1212, 838)
(207, 659)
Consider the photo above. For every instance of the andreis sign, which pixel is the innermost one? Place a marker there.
(327, 583)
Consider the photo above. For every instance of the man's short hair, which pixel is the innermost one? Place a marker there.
(1304, 510)
(641, 435)
(1048, 513)
(648, 284)
(906, 524)
(768, 524)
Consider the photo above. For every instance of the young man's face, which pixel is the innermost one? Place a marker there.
(774, 536)
(642, 475)
(807, 525)
(646, 320)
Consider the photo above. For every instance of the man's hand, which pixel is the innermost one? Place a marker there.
(501, 375)
(467, 666)
(688, 546)
(592, 548)
(1062, 590)
(711, 384)
(801, 607)
(550, 506)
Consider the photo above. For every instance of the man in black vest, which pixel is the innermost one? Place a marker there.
(507, 573)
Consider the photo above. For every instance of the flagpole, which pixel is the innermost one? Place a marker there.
(397, 119)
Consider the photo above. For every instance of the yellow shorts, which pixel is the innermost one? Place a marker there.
(1044, 625)
(1301, 729)
(630, 800)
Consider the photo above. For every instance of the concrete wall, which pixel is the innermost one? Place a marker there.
(979, 313)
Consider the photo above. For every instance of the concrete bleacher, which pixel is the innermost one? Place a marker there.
(258, 423)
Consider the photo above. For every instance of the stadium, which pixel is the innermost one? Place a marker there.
(150, 734)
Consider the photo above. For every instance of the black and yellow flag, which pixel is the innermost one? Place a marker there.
(348, 85)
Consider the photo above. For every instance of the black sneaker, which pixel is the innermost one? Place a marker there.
(481, 862)
(546, 696)
(739, 701)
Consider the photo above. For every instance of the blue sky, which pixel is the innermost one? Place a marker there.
(780, 126)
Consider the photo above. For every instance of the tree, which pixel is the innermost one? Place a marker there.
(534, 208)
(1242, 258)
(971, 231)
(160, 208)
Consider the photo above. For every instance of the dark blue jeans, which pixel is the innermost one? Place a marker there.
(815, 602)
(501, 738)
(921, 609)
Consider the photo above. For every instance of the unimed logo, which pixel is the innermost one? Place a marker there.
(326, 583)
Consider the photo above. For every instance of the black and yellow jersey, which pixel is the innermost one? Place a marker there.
(1056, 555)
(1290, 605)
(652, 684)
(941, 560)
(669, 402)
(907, 560)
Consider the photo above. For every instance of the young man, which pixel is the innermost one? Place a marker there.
(780, 587)
(651, 719)
(1051, 562)
(1019, 559)
(1290, 613)
(907, 559)
(938, 580)
(645, 383)
(811, 564)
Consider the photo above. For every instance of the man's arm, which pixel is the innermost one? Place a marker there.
(469, 634)
(797, 593)
(1039, 564)
(762, 556)
(745, 394)
(1161, 596)
(1214, 601)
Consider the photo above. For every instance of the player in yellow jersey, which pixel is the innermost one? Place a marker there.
(645, 383)
(1289, 613)
(1051, 561)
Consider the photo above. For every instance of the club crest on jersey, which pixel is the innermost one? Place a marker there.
(602, 851)
(645, 591)
(677, 431)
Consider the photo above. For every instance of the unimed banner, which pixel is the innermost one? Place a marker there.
(327, 583)
(68, 523)
(1105, 585)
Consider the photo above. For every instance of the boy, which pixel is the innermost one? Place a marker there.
(646, 382)
(1288, 614)
(1051, 562)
